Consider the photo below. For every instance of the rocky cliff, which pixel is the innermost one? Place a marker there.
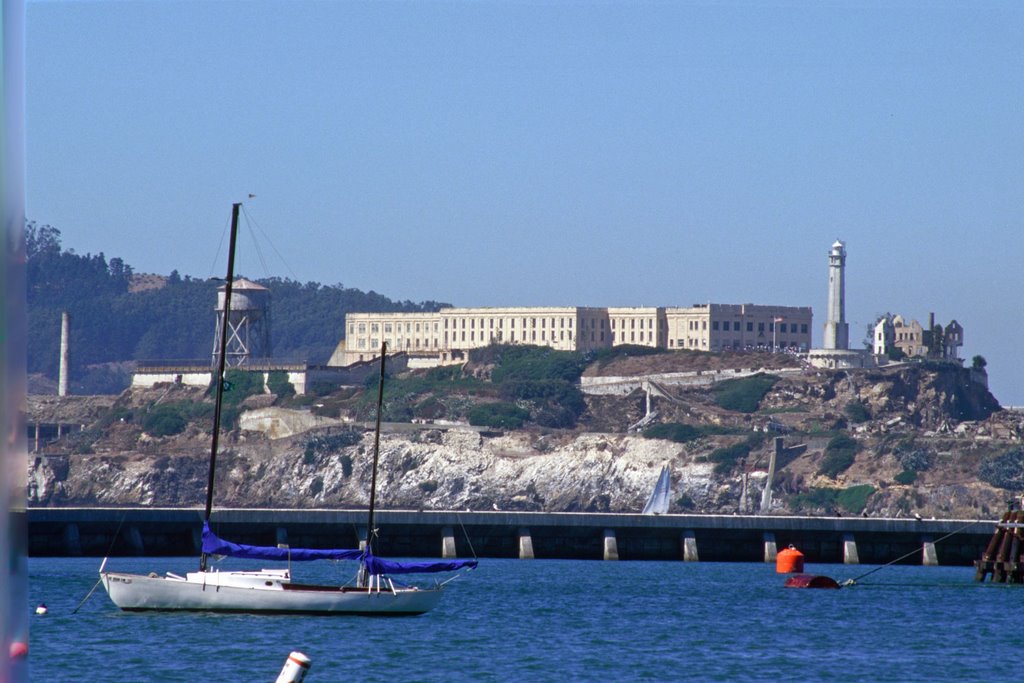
(924, 440)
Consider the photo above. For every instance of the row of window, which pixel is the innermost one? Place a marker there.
(784, 328)
(633, 337)
(644, 322)
(388, 328)
(567, 323)
(688, 343)
(399, 344)
(489, 323)
(499, 336)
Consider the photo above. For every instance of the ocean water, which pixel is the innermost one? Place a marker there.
(554, 620)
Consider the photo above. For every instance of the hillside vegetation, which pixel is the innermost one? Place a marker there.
(512, 428)
(117, 316)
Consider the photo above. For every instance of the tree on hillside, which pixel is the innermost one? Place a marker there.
(175, 322)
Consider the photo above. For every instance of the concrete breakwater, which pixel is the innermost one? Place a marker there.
(526, 535)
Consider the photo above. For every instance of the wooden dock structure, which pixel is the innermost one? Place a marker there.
(1002, 557)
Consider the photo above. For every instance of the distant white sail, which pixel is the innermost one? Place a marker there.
(661, 497)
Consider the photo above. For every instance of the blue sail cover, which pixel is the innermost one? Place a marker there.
(214, 545)
(376, 566)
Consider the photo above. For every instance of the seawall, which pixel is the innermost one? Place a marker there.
(718, 538)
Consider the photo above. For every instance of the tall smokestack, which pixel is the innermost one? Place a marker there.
(62, 378)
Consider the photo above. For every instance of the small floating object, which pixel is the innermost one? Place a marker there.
(41, 609)
(19, 649)
(789, 561)
(810, 581)
(295, 668)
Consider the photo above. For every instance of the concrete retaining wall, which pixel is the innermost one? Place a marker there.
(732, 538)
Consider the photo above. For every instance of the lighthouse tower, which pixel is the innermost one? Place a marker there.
(837, 332)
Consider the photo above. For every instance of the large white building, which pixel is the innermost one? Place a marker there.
(446, 335)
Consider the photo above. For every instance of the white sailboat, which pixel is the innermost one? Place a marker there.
(661, 496)
(273, 591)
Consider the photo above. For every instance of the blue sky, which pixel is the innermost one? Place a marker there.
(551, 153)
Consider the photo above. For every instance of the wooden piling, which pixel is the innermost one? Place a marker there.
(1002, 557)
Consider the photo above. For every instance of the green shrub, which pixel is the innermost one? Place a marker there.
(857, 412)
(119, 414)
(499, 415)
(627, 351)
(238, 386)
(673, 431)
(743, 395)
(556, 417)
(316, 486)
(912, 457)
(682, 433)
(726, 459)
(814, 499)
(429, 409)
(165, 420)
(558, 401)
(372, 380)
(443, 373)
(906, 477)
(523, 362)
(834, 464)
(321, 388)
(346, 464)
(839, 455)
(855, 498)
(1005, 471)
(279, 385)
(83, 447)
(428, 486)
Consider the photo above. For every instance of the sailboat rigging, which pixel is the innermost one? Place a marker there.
(272, 590)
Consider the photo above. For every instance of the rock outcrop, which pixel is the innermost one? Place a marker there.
(929, 428)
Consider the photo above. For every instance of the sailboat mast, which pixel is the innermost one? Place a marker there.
(219, 377)
(376, 446)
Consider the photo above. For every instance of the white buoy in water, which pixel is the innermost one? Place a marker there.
(41, 609)
(295, 668)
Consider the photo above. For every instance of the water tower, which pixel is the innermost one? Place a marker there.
(248, 326)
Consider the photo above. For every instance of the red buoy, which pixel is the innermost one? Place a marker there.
(788, 561)
(811, 581)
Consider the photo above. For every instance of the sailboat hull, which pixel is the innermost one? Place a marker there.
(259, 593)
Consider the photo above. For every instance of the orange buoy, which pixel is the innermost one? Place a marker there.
(789, 561)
